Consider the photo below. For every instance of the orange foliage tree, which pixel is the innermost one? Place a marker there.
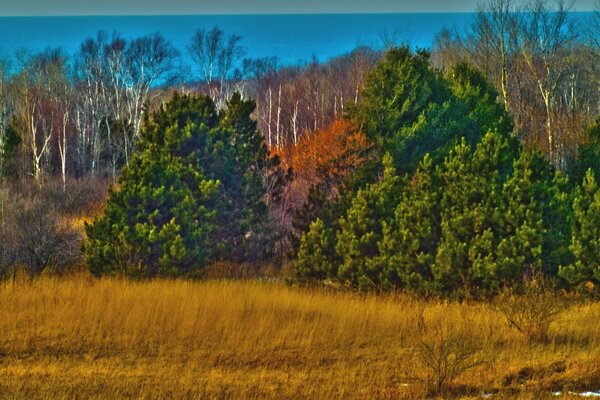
(325, 157)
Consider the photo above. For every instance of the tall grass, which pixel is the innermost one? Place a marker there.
(232, 339)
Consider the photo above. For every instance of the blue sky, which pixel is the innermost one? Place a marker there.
(154, 7)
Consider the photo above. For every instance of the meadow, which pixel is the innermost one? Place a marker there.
(82, 337)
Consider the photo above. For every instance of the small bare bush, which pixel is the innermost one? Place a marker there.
(74, 198)
(533, 310)
(442, 356)
(37, 230)
(41, 239)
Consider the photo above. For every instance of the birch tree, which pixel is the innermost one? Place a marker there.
(149, 61)
(548, 37)
(4, 108)
(495, 41)
(92, 109)
(215, 55)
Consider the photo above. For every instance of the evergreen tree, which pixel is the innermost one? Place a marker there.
(555, 203)
(434, 132)
(316, 254)
(522, 225)
(483, 111)
(361, 229)
(409, 109)
(478, 213)
(246, 218)
(396, 93)
(315, 207)
(588, 155)
(9, 147)
(585, 243)
(159, 222)
(409, 243)
(192, 193)
(469, 214)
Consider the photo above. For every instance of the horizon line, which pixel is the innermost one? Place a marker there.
(242, 13)
(255, 14)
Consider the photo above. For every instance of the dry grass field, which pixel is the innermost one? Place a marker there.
(88, 338)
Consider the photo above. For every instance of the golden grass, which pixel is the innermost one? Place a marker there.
(246, 339)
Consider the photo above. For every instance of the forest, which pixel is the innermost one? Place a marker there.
(391, 198)
(455, 170)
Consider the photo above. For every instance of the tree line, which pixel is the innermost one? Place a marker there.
(421, 170)
(452, 201)
(543, 59)
(73, 117)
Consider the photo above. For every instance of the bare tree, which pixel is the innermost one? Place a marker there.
(4, 104)
(93, 104)
(41, 239)
(63, 142)
(548, 38)
(149, 60)
(36, 85)
(56, 103)
(215, 56)
(117, 81)
(495, 37)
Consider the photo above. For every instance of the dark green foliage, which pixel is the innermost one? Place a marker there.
(469, 112)
(521, 222)
(485, 113)
(315, 207)
(477, 213)
(159, 222)
(468, 220)
(247, 163)
(316, 254)
(442, 235)
(409, 109)
(192, 193)
(410, 240)
(433, 132)
(588, 155)
(396, 92)
(585, 243)
(473, 224)
(9, 147)
(361, 229)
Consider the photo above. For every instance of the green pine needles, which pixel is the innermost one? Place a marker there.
(458, 228)
(459, 208)
(192, 193)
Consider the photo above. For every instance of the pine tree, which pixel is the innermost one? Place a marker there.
(315, 207)
(192, 193)
(9, 148)
(159, 222)
(521, 222)
(396, 92)
(361, 229)
(469, 217)
(588, 155)
(246, 217)
(483, 111)
(409, 243)
(585, 243)
(317, 260)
